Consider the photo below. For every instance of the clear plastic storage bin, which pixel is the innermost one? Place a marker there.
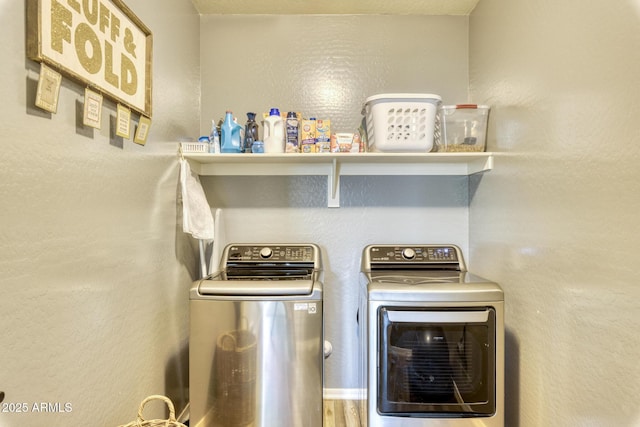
(401, 122)
(463, 128)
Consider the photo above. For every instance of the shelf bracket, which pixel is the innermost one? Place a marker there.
(333, 185)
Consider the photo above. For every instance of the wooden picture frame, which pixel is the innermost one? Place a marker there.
(100, 43)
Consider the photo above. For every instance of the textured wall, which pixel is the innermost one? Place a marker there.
(556, 221)
(94, 275)
(327, 66)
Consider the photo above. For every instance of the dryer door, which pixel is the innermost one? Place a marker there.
(436, 362)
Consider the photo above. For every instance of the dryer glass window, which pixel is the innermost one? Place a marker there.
(436, 362)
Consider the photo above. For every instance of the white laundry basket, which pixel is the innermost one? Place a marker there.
(401, 122)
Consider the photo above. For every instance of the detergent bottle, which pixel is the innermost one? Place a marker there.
(231, 138)
(250, 132)
(273, 133)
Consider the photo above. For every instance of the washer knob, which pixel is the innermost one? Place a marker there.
(408, 253)
(266, 252)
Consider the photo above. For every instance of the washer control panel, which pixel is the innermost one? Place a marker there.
(270, 253)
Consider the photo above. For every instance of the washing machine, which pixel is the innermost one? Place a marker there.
(256, 339)
(432, 339)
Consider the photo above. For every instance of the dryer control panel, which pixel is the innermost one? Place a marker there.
(413, 256)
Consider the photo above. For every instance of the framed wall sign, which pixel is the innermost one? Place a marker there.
(92, 109)
(142, 132)
(48, 89)
(123, 122)
(101, 43)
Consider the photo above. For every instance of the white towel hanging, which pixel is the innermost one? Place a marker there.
(197, 218)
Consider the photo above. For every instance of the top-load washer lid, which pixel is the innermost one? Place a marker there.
(423, 272)
(265, 270)
(214, 286)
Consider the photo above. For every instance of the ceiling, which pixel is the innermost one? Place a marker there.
(329, 7)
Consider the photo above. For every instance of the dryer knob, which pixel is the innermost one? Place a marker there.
(408, 253)
(266, 252)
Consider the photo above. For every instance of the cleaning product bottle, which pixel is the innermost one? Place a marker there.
(274, 132)
(250, 132)
(292, 127)
(231, 140)
(214, 138)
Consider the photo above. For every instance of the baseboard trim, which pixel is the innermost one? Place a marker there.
(344, 393)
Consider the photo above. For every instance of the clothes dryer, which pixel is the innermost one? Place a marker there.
(432, 339)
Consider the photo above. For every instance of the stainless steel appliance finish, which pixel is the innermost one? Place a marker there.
(432, 339)
(256, 339)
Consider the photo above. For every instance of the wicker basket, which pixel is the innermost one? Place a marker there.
(235, 370)
(237, 357)
(398, 383)
(141, 422)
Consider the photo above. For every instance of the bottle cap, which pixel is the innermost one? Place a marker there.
(274, 112)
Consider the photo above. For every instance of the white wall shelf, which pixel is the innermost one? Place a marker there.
(335, 165)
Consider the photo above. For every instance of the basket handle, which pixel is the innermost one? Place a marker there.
(172, 411)
(466, 106)
(224, 342)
